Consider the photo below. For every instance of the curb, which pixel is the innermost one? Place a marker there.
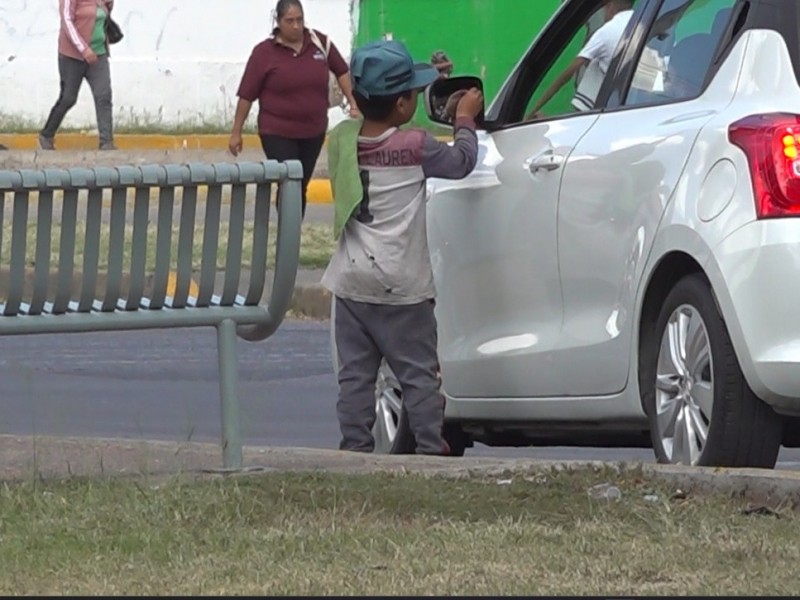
(129, 141)
(319, 191)
(66, 457)
(312, 301)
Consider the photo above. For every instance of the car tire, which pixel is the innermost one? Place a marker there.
(700, 407)
(391, 431)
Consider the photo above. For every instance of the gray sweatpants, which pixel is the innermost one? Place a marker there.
(72, 72)
(406, 337)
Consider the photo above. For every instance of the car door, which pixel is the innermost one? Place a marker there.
(620, 177)
(493, 236)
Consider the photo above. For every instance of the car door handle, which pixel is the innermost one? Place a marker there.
(547, 161)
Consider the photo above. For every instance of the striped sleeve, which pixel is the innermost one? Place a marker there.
(68, 22)
(451, 162)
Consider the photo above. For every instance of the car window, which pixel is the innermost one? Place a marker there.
(549, 78)
(562, 102)
(678, 51)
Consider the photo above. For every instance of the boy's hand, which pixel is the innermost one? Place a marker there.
(452, 103)
(471, 104)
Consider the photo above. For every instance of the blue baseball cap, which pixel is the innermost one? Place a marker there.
(385, 68)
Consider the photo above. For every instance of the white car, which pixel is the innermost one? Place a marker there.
(628, 275)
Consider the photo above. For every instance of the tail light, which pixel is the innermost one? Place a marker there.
(772, 145)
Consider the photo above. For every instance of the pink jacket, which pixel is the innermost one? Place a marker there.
(77, 23)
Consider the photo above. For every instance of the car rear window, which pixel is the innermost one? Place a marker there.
(679, 49)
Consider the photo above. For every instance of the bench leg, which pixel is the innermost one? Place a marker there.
(229, 395)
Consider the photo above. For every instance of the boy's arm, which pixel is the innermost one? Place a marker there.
(451, 162)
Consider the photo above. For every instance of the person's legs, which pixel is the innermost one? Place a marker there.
(309, 153)
(408, 340)
(71, 73)
(359, 360)
(99, 77)
(281, 149)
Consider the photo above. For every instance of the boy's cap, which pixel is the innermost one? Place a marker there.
(385, 68)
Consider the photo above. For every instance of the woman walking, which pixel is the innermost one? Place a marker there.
(288, 73)
(82, 54)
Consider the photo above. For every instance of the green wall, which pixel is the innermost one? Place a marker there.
(482, 37)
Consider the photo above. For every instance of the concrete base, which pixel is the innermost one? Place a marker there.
(27, 458)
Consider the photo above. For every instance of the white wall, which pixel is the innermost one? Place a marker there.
(180, 61)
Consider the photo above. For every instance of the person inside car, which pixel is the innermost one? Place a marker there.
(595, 57)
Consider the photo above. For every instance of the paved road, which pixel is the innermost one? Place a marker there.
(163, 385)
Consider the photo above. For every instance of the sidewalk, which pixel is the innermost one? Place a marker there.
(128, 142)
(78, 150)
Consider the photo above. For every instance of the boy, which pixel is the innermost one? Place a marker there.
(381, 273)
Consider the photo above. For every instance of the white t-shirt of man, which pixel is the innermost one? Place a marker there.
(598, 51)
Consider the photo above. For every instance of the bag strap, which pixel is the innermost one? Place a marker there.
(318, 43)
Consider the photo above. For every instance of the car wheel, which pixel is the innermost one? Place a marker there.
(701, 410)
(391, 430)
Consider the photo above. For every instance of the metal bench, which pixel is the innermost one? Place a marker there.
(127, 248)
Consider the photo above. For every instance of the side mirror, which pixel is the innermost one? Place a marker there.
(441, 98)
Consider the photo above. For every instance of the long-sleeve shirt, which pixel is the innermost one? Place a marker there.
(77, 25)
(382, 256)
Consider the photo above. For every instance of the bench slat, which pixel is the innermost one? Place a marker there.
(233, 262)
(19, 235)
(91, 252)
(260, 244)
(185, 246)
(44, 232)
(141, 217)
(2, 225)
(208, 263)
(66, 252)
(116, 247)
(166, 207)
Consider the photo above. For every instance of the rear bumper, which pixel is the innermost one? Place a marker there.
(758, 291)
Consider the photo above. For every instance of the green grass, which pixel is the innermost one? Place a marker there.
(322, 534)
(134, 123)
(146, 124)
(316, 245)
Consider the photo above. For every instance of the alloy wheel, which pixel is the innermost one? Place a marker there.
(388, 408)
(684, 395)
